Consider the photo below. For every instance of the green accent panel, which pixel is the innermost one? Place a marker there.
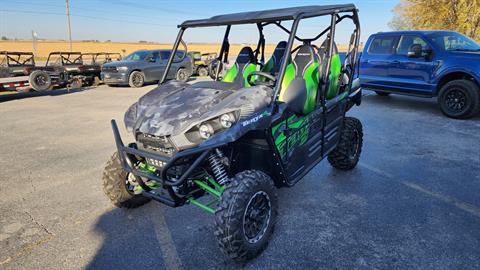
(335, 69)
(201, 205)
(287, 79)
(311, 81)
(249, 69)
(231, 74)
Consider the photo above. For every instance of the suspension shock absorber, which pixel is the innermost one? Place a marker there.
(218, 167)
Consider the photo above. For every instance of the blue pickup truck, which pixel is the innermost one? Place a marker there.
(441, 64)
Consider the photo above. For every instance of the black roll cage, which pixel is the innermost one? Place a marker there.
(336, 18)
(65, 58)
(15, 58)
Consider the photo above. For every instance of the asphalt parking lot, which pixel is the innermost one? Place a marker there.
(413, 202)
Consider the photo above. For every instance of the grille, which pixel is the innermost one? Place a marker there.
(109, 69)
(160, 144)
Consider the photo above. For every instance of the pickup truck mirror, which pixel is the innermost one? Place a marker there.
(415, 51)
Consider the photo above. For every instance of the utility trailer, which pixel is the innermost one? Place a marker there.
(18, 84)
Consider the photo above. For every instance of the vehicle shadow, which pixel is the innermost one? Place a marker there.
(129, 241)
(410, 103)
(156, 237)
(427, 105)
(31, 94)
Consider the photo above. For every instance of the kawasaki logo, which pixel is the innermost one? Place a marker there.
(255, 119)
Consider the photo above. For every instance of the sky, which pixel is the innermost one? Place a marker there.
(157, 20)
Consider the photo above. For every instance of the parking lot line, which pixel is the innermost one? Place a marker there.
(450, 200)
(164, 237)
(472, 209)
(27, 249)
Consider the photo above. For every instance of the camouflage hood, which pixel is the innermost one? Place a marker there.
(175, 107)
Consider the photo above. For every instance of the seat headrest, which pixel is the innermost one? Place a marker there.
(305, 56)
(245, 56)
(279, 51)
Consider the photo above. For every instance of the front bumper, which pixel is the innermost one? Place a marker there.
(127, 159)
(114, 77)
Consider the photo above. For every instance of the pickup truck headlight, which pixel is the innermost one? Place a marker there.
(123, 69)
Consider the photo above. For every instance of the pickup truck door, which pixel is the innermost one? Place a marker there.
(377, 60)
(409, 74)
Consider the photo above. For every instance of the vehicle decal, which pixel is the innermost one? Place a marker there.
(300, 129)
(255, 118)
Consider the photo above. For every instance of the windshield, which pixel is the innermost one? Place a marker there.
(452, 41)
(137, 56)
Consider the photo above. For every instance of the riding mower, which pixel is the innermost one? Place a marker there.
(225, 146)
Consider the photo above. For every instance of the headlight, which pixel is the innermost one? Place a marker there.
(227, 120)
(206, 131)
(122, 68)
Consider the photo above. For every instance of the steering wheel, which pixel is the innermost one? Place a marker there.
(270, 79)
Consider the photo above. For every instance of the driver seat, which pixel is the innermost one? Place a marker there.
(302, 72)
(273, 64)
(244, 65)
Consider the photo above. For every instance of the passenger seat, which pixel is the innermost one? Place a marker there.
(244, 65)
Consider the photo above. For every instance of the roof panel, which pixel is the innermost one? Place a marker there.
(282, 14)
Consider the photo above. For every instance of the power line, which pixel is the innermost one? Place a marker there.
(85, 16)
(127, 4)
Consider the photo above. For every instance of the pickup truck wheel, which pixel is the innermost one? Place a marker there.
(136, 79)
(347, 153)
(381, 93)
(40, 81)
(119, 187)
(245, 217)
(459, 99)
(182, 75)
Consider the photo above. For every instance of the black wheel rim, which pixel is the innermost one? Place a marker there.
(41, 80)
(456, 100)
(354, 145)
(137, 79)
(256, 217)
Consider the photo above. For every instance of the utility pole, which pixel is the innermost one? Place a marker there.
(69, 28)
(34, 42)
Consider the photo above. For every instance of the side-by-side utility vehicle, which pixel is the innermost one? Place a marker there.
(226, 145)
(63, 69)
(13, 64)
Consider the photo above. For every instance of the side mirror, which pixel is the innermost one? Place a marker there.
(296, 96)
(415, 51)
(179, 57)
